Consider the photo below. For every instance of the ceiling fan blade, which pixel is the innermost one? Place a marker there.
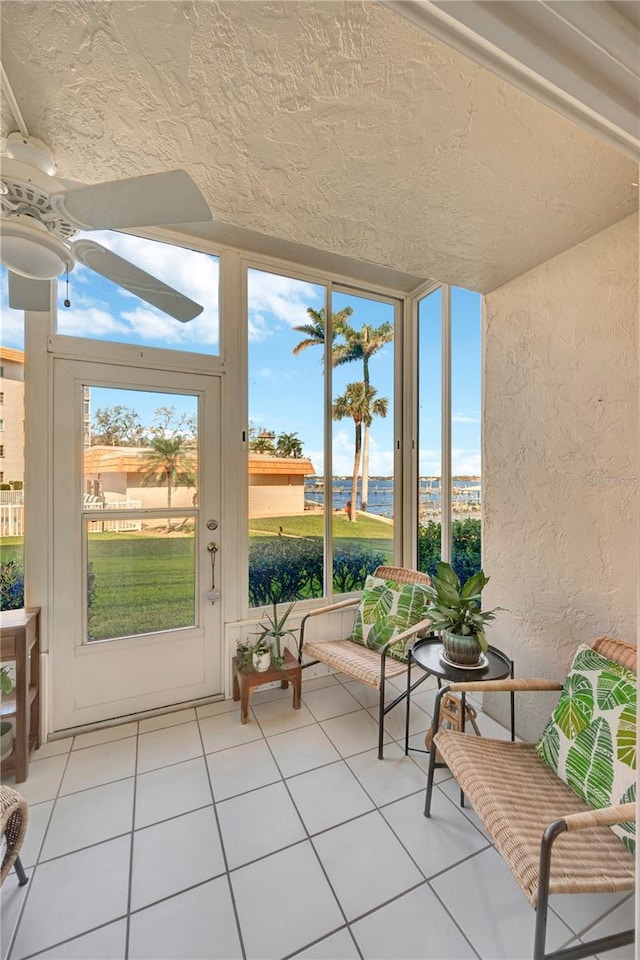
(155, 200)
(28, 294)
(135, 280)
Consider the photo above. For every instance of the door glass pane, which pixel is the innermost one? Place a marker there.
(140, 454)
(141, 575)
(286, 438)
(429, 430)
(102, 310)
(140, 449)
(364, 494)
(466, 398)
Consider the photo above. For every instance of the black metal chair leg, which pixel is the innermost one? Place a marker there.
(381, 709)
(542, 907)
(22, 877)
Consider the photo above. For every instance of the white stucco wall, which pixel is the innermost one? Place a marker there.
(560, 458)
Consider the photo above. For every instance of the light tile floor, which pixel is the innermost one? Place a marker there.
(191, 836)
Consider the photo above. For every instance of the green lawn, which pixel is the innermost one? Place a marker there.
(142, 583)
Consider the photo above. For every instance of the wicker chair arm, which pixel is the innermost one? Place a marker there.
(605, 817)
(509, 685)
(406, 634)
(332, 608)
(341, 605)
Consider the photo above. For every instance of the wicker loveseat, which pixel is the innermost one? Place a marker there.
(373, 667)
(550, 839)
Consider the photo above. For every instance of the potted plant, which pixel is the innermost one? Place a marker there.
(276, 629)
(261, 655)
(6, 727)
(456, 613)
(254, 655)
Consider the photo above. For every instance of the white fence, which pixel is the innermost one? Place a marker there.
(119, 525)
(11, 519)
(11, 497)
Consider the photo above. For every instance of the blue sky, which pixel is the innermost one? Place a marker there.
(285, 391)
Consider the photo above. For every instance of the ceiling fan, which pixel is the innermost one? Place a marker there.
(40, 215)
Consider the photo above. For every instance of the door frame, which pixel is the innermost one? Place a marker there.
(194, 655)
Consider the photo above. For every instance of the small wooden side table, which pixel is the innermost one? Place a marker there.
(20, 641)
(244, 681)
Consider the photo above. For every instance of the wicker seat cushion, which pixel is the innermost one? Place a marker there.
(354, 659)
(517, 796)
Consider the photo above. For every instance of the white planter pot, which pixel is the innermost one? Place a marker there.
(6, 739)
(261, 661)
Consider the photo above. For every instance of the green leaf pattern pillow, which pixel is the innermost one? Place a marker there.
(590, 740)
(386, 609)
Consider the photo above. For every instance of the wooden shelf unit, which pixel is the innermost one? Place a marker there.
(20, 642)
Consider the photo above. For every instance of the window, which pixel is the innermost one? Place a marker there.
(101, 310)
(1, 449)
(294, 392)
(1, 396)
(449, 405)
(140, 471)
(1, 424)
(1, 476)
(286, 437)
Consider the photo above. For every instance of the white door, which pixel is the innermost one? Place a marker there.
(137, 530)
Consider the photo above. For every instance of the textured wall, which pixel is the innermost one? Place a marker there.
(337, 125)
(560, 457)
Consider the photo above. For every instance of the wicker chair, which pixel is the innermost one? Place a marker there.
(372, 667)
(526, 808)
(14, 816)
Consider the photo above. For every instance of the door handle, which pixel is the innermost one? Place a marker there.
(212, 549)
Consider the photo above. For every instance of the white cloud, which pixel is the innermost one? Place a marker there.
(285, 298)
(465, 462)
(93, 322)
(465, 418)
(12, 321)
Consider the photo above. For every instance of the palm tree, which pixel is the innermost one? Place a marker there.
(171, 462)
(289, 445)
(361, 345)
(315, 330)
(358, 403)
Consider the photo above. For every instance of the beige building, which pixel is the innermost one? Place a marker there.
(11, 415)
(276, 484)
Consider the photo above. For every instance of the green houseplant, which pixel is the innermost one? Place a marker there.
(275, 630)
(455, 611)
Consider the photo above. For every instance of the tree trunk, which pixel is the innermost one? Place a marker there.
(365, 468)
(168, 503)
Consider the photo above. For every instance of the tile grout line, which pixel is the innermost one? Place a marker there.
(222, 846)
(37, 863)
(131, 848)
(315, 852)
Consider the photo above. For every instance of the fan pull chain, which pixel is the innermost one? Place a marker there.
(67, 302)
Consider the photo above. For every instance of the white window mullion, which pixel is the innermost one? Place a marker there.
(445, 480)
(328, 443)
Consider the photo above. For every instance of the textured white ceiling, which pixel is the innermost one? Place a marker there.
(335, 125)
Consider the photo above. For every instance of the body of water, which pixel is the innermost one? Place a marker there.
(466, 495)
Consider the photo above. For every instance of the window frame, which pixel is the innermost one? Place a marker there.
(346, 286)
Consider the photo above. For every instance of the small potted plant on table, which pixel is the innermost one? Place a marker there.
(275, 630)
(455, 611)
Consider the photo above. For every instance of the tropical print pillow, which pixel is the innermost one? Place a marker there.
(590, 740)
(386, 609)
